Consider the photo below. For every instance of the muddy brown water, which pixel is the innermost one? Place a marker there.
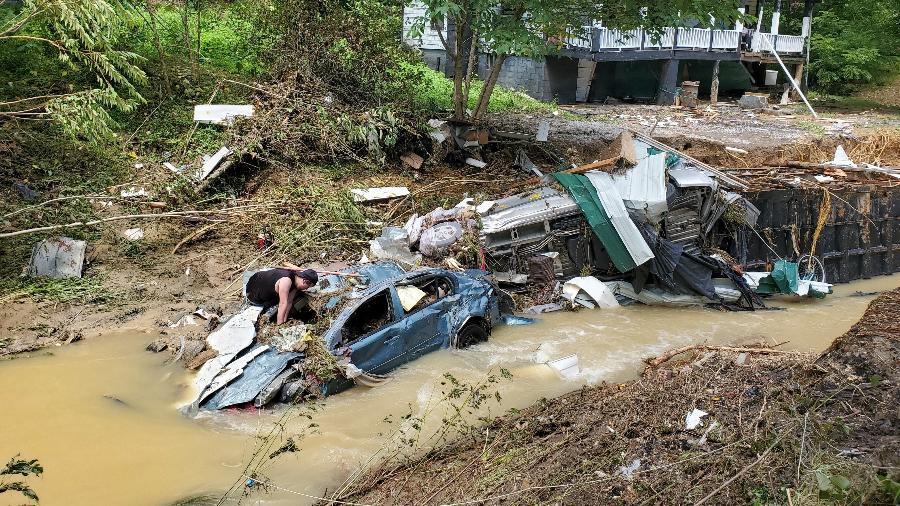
(101, 415)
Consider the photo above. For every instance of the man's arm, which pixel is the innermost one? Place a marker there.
(284, 287)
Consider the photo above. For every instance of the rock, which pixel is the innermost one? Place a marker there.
(157, 346)
(201, 359)
(192, 349)
(753, 101)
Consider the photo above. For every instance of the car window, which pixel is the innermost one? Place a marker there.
(434, 289)
(371, 316)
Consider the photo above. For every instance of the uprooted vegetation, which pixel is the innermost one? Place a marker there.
(782, 428)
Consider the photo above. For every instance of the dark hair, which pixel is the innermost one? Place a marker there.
(309, 275)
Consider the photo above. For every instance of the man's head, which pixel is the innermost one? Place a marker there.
(306, 279)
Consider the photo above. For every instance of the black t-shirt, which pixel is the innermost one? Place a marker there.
(261, 286)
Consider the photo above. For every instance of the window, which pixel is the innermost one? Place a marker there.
(434, 289)
(369, 317)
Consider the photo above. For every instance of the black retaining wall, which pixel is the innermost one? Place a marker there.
(854, 244)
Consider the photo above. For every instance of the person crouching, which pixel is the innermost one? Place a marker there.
(279, 286)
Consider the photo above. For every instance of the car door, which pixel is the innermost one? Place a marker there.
(424, 326)
(382, 349)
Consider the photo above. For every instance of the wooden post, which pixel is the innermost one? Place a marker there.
(714, 88)
(798, 78)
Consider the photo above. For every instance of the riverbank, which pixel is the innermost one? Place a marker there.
(785, 428)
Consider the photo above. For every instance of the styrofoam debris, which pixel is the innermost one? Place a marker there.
(134, 192)
(382, 193)
(212, 162)
(694, 419)
(221, 114)
(133, 234)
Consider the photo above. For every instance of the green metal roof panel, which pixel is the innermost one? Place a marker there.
(585, 196)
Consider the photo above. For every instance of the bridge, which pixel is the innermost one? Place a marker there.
(587, 60)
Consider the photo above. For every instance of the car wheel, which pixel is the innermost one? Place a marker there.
(472, 333)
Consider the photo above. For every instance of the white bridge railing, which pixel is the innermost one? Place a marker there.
(794, 44)
(597, 38)
(703, 39)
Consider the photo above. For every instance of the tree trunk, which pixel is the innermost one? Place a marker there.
(186, 25)
(488, 88)
(470, 68)
(459, 103)
(714, 87)
(163, 66)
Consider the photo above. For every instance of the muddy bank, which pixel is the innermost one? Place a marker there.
(781, 427)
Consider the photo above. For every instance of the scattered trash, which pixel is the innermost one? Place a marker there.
(510, 278)
(566, 367)
(741, 359)
(841, 159)
(543, 131)
(737, 151)
(545, 308)
(823, 178)
(221, 114)
(485, 206)
(376, 194)
(394, 246)
(173, 168)
(185, 321)
(589, 292)
(212, 162)
(133, 234)
(410, 295)
(475, 163)
(26, 192)
(436, 240)
(134, 193)
(628, 471)
(694, 419)
(57, 257)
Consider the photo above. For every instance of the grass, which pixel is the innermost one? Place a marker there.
(85, 289)
(851, 104)
(435, 91)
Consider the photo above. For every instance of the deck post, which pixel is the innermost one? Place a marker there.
(776, 17)
(668, 82)
(714, 87)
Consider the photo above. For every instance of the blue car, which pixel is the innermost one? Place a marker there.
(385, 317)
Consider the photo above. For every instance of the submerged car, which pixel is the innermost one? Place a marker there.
(384, 318)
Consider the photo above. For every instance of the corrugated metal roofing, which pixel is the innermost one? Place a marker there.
(614, 206)
(643, 187)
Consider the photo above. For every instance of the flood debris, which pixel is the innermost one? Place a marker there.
(377, 194)
(211, 163)
(359, 328)
(57, 257)
(221, 114)
(566, 367)
(133, 234)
